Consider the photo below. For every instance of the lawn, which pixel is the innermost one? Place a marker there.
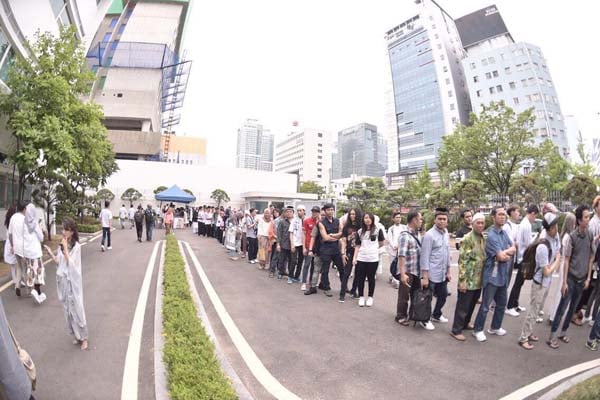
(586, 390)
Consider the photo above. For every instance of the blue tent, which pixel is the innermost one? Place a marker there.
(174, 193)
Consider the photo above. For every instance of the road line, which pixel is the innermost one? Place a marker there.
(550, 380)
(129, 388)
(160, 373)
(260, 372)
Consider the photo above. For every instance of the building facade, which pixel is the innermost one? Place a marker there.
(498, 69)
(361, 151)
(183, 149)
(429, 88)
(305, 152)
(254, 146)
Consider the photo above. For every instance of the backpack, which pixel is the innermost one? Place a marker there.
(149, 215)
(138, 217)
(420, 305)
(528, 264)
(394, 269)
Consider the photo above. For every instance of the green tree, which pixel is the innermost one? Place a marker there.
(526, 190)
(551, 169)
(492, 149)
(220, 196)
(581, 189)
(368, 194)
(421, 186)
(585, 168)
(131, 195)
(188, 191)
(160, 189)
(468, 193)
(440, 197)
(312, 187)
(105, 195)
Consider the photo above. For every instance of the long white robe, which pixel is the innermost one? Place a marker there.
(70, 291)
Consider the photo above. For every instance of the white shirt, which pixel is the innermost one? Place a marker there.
(393, 237)
(32, 246)
(296, 229)
(106, 217)
(263, 227)
(16, 228)
(523, 239)
(131, 212)
(122, 212)
(369, 249)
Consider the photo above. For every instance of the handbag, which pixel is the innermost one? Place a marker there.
(420, 305)
(26, 360)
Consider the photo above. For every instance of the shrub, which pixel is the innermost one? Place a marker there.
(193, 370)
(89, 228)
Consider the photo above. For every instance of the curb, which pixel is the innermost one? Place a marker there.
(160, 372)
(238, 385)
(569, 383)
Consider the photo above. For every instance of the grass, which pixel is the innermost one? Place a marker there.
(193, 370)
(89, 228)
(586, 390)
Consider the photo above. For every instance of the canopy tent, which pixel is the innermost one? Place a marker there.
(174, 193)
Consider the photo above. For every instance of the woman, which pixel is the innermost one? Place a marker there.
(369, 239)
(264, 238)
(69, 282)
(169, 218)
(32, 251)
(9, 258)
(351, 226)
(568, 227)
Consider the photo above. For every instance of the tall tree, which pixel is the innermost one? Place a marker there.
(160, 189)
(131, 195)
(105, 195)
(468, 193)
(220, 196)
(421, 187)
(492, 149)
(525, 190)
(551, 169)
(581, 190)
(368, 194)
(312, 187)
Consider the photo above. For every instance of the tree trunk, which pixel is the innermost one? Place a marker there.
(48, 209)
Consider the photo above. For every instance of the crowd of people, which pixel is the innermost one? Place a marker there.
(289, 243)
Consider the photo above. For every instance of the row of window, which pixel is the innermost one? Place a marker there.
(516, 53)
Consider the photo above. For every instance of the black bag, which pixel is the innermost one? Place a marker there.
(394, 270)
(528, 264)
(149, 216)
(138, 217)
(420, 305)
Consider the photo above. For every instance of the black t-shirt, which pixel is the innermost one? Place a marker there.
(462, 231)
(349, 232)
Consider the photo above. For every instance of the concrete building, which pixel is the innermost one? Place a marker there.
(305, 152)
(429, 88)
(254, 146)
(183, 149)
(141, 73)
(498, 69)
(361, 152)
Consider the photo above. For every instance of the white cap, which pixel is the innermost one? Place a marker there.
(300, 207)
(478, 216)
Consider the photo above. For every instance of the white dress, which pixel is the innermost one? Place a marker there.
(69, 284)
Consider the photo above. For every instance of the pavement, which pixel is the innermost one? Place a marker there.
(321, 349)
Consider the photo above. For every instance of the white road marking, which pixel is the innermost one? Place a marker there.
(550, 380)
(129, 388)
(260, 372)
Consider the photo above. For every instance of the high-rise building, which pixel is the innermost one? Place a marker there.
(305, 152)
(498, 69)
(430, 93)
(254, 146)
(141, 73)
(361, 152)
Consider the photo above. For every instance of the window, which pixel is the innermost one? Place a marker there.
(519, 67)
(454, 120)
(319, 170)
(515, 100)
(492, 90)
(499, 88)
(452, 106)
(320, 145)
(507, 70)
(320, 157)
(550, 116)
(449, 93)
(512, 85)
(484, 62)
(445, 68)
(531, 81)
(432, 26)
(528, 97)
(495, 74)
(447, 81)
(479, 93)
(113, 22)
(473, 66)
(541, 81)
(502, 56)
(439, 46)
(536, 97)
(106, 37)
(524, 82)
(540, 114)
(476, 79)
(491, 60)
(543, 132)
(525, 65)
(549, 82)
(319, 134)
(122, 29)
(319, 163)
(442, 57)
(488, 75)
(554, 133)
(101, 82)
(113, 45)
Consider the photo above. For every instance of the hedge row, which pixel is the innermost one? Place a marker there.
(192, 368)
(89, 228)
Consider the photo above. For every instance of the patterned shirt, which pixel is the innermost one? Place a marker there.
(471, 260)
(410, 249)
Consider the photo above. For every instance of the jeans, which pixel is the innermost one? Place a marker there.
(440, 291)
(138, 228)
(350, 260)
(498, 294)
(571, 298)
(326, 259)
(283, 258)
(593, 302)
(149, 228)
(404, 294)
(252, 248)
(106, 236)
(515, 292)
(595, 332)
(308, 269)
(365, 270)
(465, 305)
(274, 258)
(296, 262)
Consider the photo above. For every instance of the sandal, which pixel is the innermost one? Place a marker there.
(533, 338)
(84, 344)
(553, 343)
(403, 321)
(526, 345)
(564, 339)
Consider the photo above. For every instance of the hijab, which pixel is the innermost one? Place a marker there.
(31, 217)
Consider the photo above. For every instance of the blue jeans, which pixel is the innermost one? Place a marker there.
(149, 228)
(595, 332)
(440, 291)
(499, 295)
(571, 298)
(106, 236)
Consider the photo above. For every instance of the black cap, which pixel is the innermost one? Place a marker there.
(327, 206)
(315, 209)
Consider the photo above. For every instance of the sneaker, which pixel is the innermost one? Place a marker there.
(512, 312)
(428, 326)
(480, 336)
(303, 287)
(341, 300)
(102, 247)
(521, 309)
(18, 292)
(539, 320)
(289, 280)
(361, 302)
(586, 319)
(42, 297)
(497, 332)
(441, 319)
(593, 345)
(328, 293)
(310, 291)
(35, 296)
(369, 301)
(109, 247)
(279, 276)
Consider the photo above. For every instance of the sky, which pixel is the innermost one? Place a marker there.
(324, 63)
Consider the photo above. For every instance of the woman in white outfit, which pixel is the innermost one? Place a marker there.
(69, 282)
(33, 238)
(9, 258)
(568, 227)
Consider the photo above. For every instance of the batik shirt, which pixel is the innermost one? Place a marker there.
(471, 260)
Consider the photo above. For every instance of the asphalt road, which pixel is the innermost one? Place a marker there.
(112, 282)
(320, 349)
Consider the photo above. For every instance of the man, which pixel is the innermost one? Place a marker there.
(283, 242)
(122, 215)
(195, 220)
(106, 219)
(435, 262)
(499, 252)
(16, 240)
(131, 216)
(523, 240)
(409, 250)
(201, 221)
(138, 218)
(309, 263)
(149, 217)
(393, 236)
(579, 261)
(250, 225)
(297, 256)
(547, 261)
(330, 230)
(276, 216)
(467, 218)
(471, 260)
